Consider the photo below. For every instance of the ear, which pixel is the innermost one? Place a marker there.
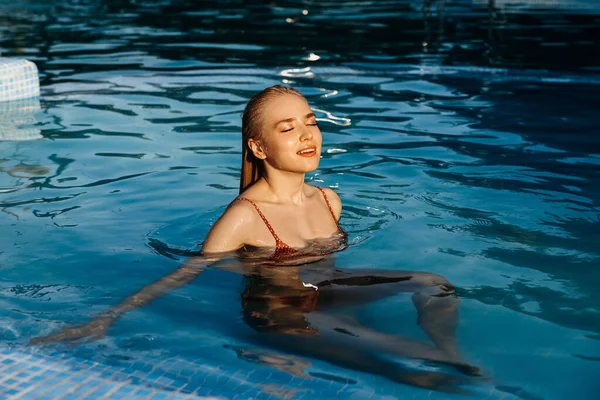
(257, 149)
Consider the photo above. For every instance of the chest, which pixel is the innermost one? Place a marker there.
(294, 225)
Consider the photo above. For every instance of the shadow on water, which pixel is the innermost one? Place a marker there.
(430, 32)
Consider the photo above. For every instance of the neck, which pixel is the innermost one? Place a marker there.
(287, 187)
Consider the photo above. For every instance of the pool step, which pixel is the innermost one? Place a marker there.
(18, 79)
(19, 99)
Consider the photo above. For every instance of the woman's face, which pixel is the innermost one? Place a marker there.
(290, 139)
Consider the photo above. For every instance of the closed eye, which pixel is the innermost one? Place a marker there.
(292, 128)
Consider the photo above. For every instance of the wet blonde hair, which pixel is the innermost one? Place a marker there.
(252, 124)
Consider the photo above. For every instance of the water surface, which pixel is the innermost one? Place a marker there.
(462, 142)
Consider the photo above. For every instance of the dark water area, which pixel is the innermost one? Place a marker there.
(551, 35)
(462, 137)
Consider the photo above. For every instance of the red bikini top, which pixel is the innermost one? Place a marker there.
(282, 250)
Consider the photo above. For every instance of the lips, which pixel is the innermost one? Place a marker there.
(307, 152)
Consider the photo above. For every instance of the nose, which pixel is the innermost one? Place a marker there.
(306, 133)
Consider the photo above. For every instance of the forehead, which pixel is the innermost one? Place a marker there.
(285, 106)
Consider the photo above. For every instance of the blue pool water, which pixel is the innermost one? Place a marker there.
(463, 141)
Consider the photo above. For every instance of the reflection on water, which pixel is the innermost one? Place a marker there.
(460, 136)
(17, 119)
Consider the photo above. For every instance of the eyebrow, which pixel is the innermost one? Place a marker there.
(307, 116)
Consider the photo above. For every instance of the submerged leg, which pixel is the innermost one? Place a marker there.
(433, 296)
(297, 319)
(437, 307)
(348, 344)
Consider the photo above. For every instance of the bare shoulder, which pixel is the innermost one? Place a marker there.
(232, 229)
(334, 200)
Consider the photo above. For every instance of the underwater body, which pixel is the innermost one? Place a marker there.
(462, 141)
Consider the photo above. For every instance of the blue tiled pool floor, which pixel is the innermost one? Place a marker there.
(37, 373)
(31, 374)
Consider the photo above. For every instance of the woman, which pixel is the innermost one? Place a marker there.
(283, 229)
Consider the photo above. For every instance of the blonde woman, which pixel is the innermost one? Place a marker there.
(282, 231)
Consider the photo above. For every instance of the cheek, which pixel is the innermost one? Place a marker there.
(317, 137)
(287, 143)
(280, 145)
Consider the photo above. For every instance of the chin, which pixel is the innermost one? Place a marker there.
(304, 168)
(313, 165)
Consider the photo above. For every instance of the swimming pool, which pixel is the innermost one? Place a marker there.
(462, 143)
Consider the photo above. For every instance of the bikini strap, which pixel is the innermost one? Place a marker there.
(277, 240)
(330, 209)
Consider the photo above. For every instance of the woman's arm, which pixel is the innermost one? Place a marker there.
(183, 275)
(335, 202)
(232, 230)
(228, 234)
(96, 328)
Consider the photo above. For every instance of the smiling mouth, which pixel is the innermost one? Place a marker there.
(308, 152)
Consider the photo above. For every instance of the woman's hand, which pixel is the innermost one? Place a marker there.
(93, 330)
